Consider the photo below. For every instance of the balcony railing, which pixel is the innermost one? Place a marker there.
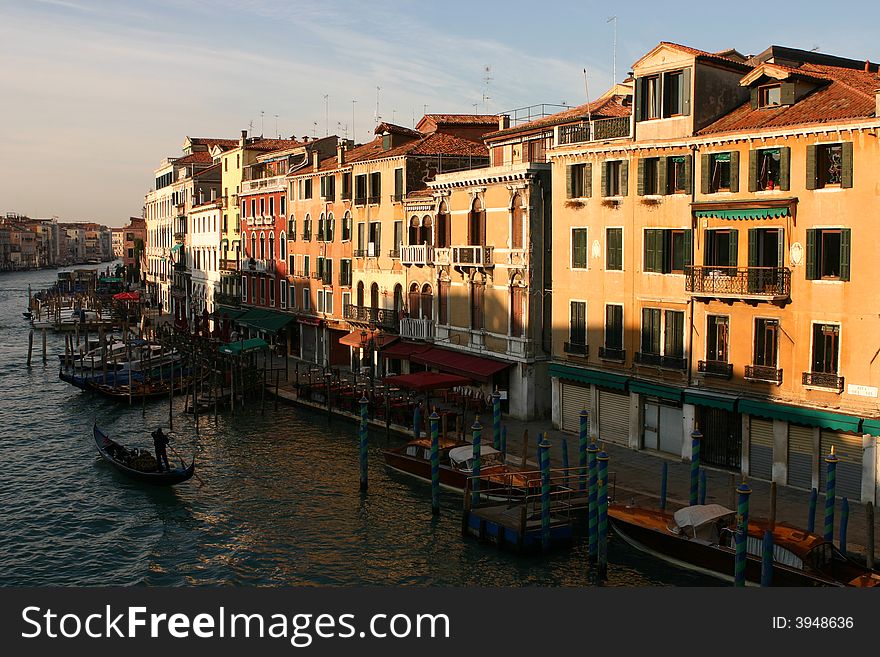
(360, 200)
(307, 236)
(257, 265)
(180, 238)
(374, 200)
(360, 253)
(417, 329)
(417, 254)
(823, 380)
(763, 373)
(610, 353)
(739, 282)
(397, 198)
(317, 275)
(473, 256)
(367, 315)
(262, 183)
(656, 360)
(598, 130)
(576, 349)
(228, 265)
(442, 256)
(715, 368)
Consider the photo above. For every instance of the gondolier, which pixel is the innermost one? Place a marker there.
(160, 440)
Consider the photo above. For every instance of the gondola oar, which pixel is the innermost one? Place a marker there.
(183, 464)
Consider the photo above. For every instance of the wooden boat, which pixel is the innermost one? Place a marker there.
(116, 454)
(702, 538)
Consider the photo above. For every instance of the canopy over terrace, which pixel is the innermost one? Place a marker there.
(426, 381)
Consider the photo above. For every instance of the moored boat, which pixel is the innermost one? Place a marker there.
(128, 461)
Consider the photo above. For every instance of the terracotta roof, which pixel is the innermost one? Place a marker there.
(395, 130)
(702, 54)
(211, 141)
(467, 119)
(848, 95)
(417, 194)
(199, 157)
(603, 108)
(273, 144)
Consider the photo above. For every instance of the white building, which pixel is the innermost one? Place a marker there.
(203, 254)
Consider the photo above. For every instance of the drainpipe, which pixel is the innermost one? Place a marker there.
(695, 151)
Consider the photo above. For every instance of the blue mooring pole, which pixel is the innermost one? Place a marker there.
(742, 533)
(544, 452)
(435, 463)
(477, 429)
(592, 508)
(702, 486)
(844, 521)
(496, 420)
(696, 437)
(811, 518)
(582, 448)
(664, 479)
(767, 560)
(603, 515)
(363, 442)
(830, 492)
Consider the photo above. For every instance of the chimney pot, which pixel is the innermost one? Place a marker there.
(315, 160)
(867, 65)
(503, 122)
(340, 153)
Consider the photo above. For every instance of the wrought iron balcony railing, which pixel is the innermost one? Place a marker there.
(823, 380)
(360, 200)
(379, 316)
(374, 200)
(739, 282)
(228, 265)
(360, 253)
(397, 198)
(598, 130)
(765, 373)
(576, 349)
(394, 254)
(257, 265)
(657, 360)
(715, 368)
(611, 353)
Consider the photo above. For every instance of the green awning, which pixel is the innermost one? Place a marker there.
(871, 426)
(582, 375)
(744, 213)
(264, 320)
(176, 247)
(243, 346)
(655, 390)
(699, 398)
(801, 415)
(110, 279)
(232, 312)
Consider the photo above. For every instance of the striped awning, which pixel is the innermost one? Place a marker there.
(745, 213)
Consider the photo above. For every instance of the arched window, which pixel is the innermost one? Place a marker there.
(398, 300)
(307, 227)
(331, 227)
(516, 223)
(517, 308)
(321, 234)
(374, 296)
(346, 226)
(271, 254)
(262, 246)
(414, 301)
(282, 247)
(477, 295)
(477, 224)
(427, 302)
(360, 294)
(291, 228)
(425, 232)
(253, 253)
(414, 230)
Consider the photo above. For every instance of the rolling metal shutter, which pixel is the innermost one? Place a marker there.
(574, 400)
(761, 448)
(848, 449)
(800, 456)
(613, 417)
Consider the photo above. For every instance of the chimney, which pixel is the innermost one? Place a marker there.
(340, 153)
(504, 122)
(243, 140)
(877, 102)
(316, 160)
(867, 66)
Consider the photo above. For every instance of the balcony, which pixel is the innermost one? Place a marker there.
(417, 329)
(442, 256)
(307, 236)
(257, 265)
(576, 349)
(228, 265)
(360, 200)
(610, 353)
(656, 360)
(417, 255)
(763, 373)
(317, 275)
(394, 254)
(180, 238)
(397, 198)
(823, 380)
(598, 130)
(473, 256)
(718, 368)
(759, 283)
(367, 315)
(374, 200)
(265, 184)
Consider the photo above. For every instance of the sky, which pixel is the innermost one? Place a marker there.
(94, 94)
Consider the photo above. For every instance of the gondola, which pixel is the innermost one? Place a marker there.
(108, 448)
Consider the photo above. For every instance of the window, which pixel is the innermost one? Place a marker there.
(651, 97)
(717, 338)
(650, 339)
(328, 302)
(253, 207)
(397, 240)
(375, 187)
(328, 272)
(579, 180)
(262, 246)
(346, 300)
(477, 224)
(828, 254)
(262, 290)
(720, 172)
(291, 229)
(577, 331)
(398, 185)
(720, 248)
(282, 248)
(374, 246)
(497, 156)
(330, 228)
(271, 206)
(769, 169)
(517, 305)
(826, 342)
(770, 95)
(345, 272)
(305, 188)
(319, 267)
(516, 223)
(270, 283)
(321, 228)
(477, 296)
(678, 174)
(673, 93)
(443, 302)
(360, 189)
(346, 227)
(614, 249)
(673, 335)
(663, 96)
(244, 288)
(306, 265)
(320, 299)
(262, 206)
(271, 254)
(766, 339)
(283, 203)
(346, 186)
(361, 240)
(667, 251)
(614, 178)
(292, 289)
(307, 299)
(328, 188)
(613, 331)
(578, 248)
(649, 176)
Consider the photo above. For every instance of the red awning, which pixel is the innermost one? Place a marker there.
(457, 362)
(404, 349)
(356, 340)
(127, 296)
(422, 381)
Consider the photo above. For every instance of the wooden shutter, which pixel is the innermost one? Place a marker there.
(640, 97)
(624, 177)
(587, 190)
(569, 181)
(753, 171)
(705, 161)
(689, 173)
(811, 254)
(846, 174)
(378, 238)
(753, 247)
(844, 253)
(662, 164)
(786, 93)
(734, 243)
(684, 92)
(604, 178)
(640, 183)
(784, 168)
(754, 97)
(734, 171)
(811, 166)
(653, 250)
(688, 247)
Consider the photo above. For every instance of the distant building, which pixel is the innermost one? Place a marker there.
(118, 239)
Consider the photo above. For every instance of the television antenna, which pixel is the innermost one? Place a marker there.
(614, 50)
(487, 78)
(262, 114)
(326, 115)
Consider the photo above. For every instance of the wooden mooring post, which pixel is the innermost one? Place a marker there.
(44, 346)
(30, 346)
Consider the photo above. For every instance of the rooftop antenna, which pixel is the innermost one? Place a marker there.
(315, 129)
(487, 78)
(587, 92)
(475, 107)
(614, 50)
(251, 127)
(425, 108)
(393, 115)
(376, 116)
(814, 49)
(353, 133)
(277, 134)
(326, 115)
(261, 123)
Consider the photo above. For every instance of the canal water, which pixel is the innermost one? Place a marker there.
(276, 500)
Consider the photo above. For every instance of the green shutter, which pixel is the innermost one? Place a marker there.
(662, 164)
(753, 171)
(704, 173)
(648, 258)
(780, 248)
(844, 253)
(734, 171)
(588, 180)
(753, 247)
(688, 247)
(811, 254)
(786, 92)
(624, 177)
(689, 173)
(640, 94)
(846, 175)
(811, 166)
(604, 178)
(685, 92)
(754, 97)
(784, 168)
(569, 181)
(734, 243)
(664, 249)
(640, 183)
(654, 250)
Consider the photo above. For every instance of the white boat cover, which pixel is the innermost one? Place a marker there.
(700, 514)
(465, 452)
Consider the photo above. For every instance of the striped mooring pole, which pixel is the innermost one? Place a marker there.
(544, 447)
(496, 420)
(696, 437)
(664, 480)
(582, 448)
(602, 458)
(767, 560)
(811, 518)
(477, 429)
(742, 532)
(592, 508)
(363, 442)
(565, 457)
(844, 522)
(830, 492)
(435, 463)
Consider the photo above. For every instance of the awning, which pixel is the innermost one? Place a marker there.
(769, 209)
(404, 350)
(309, 321)
(422, 381)
(753, 213)
(243, 346)
(176, 247)
(801, 415)
(655, 390)
(230, 312)
(701, 398)
(871, 426)
(457, 362)
(264, 320)
(127, 296)
(583, 375)
(356, 340)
